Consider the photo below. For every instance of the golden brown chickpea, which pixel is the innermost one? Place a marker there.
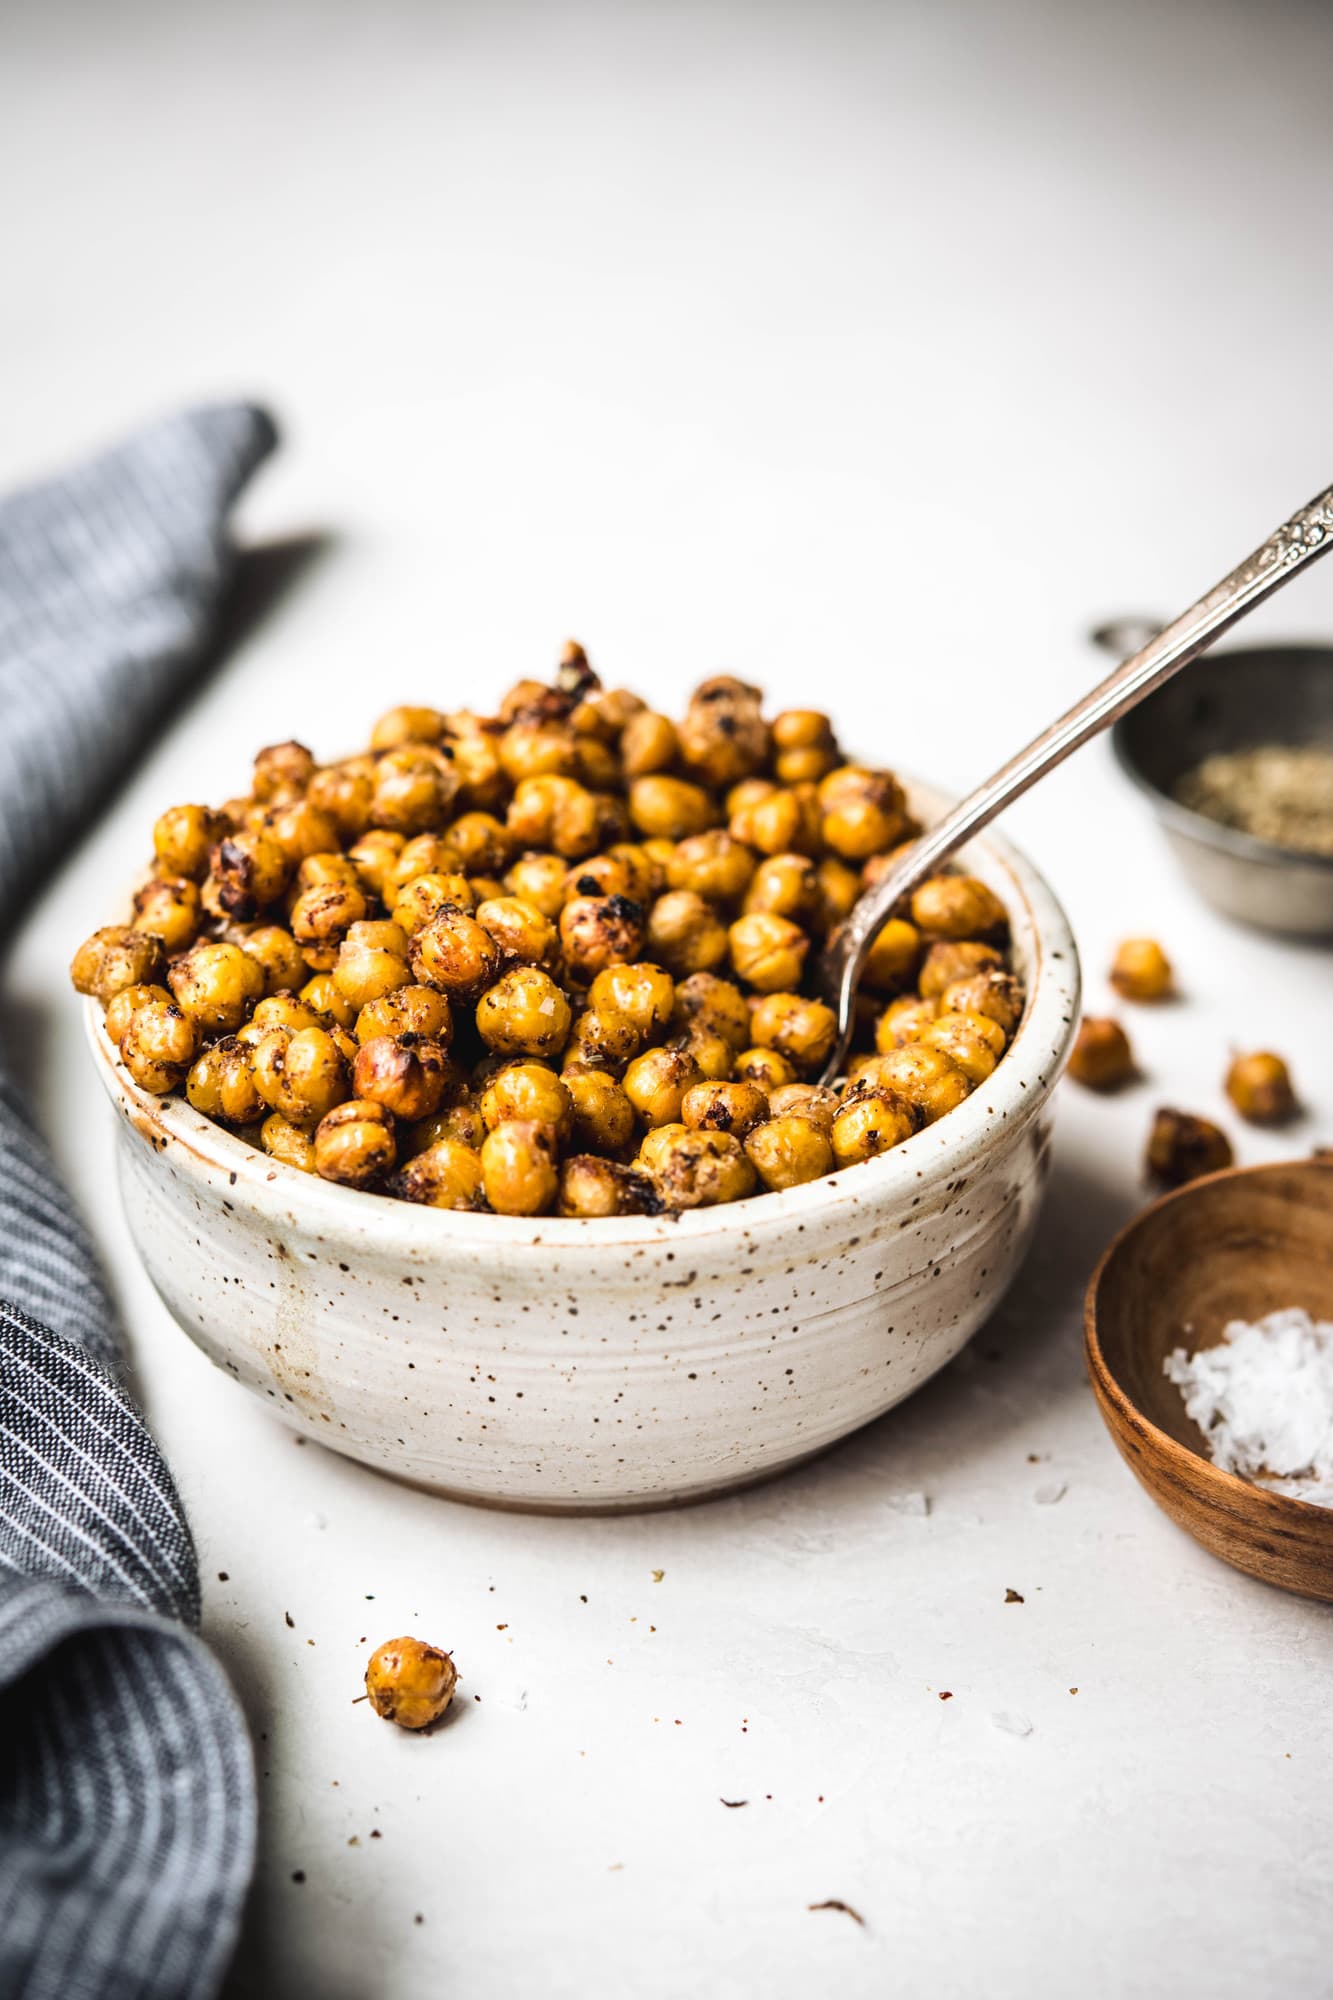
(863, 811)
(812, 1100)
(518, 1170)
(524, 1014)
(479, 844)
(805, 746)
(998, 995)
(606, 711)
(645, 865)
(785, 885)
(407, 1074)
(530, 1094)
(487, 889)
(538, 749)
(408, 1010)
(712, 1052)
(414, 789)
(1182, 1147)
(974, 1042)
(804, 1030)
(222, 1084)
(872, 1121)
(539, 879)
(664, 808)
(125, 1004)
(602, 1040)
(789, 1150)
(558, 814)
(158, 1046)
(400, 726)
(217, 984)
(248, 871)
(648, 744)
(1260, 1088)
(839, 889)
(460, 1120)
(702, 1169)
(372, 960)
(643, 994)
(302, 1075)
(905, 1020)
(598, 931)
(723, 737)
(374, 857)
(354, 1143)
(280, 1010)
(781, 821)
(170, 910)
(481, 782)
(686, 934)
(455, 953)
(346, 792)
(445, 1174)
(421, 900)
(300, 829)
(656, 1082)
(713, 865)
(322, 997)
(321, 918)
(409, 1682)
(594, 1187)
(768, 952)
(1141, 970)
(116, 957)
(765, 1068)
(705, 1002)
(1101, 1056)
(278, 956)
(956, 907)
(183, 839)
(946, 962)
(894, 956)
(282, 771)
(656, 1145)
(927, 1078)
(723, 1107)
(424, 854)
(600, 875)
(603, 1117)
(524, 935)
(284, 1141)
(319, 871)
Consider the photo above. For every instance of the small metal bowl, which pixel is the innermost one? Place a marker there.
(1232, 700)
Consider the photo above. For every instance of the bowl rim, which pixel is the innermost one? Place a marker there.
(1225, 1488)
(1021, 1082)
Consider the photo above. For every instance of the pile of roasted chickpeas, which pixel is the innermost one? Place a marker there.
(556, 960)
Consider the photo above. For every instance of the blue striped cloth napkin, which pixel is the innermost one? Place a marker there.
(127, 1805)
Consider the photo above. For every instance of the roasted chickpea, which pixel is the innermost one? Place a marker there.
(702, 1169)
(540, 880)
(703, 1001)
(248, 871)
(278, 956)
(603, 1117)
(598, 931)
(116, 957)
(602, 1040)
(280, 1010)
(998, 995)
(405, 1073)
(460, 1120)
(158, 1046)
(421, 900)
(780, 821)
(300, 829)
(648, 744)
(765, 1068)
(685, 933)
(724, 737)
(528, 1093)
(905, 1020)
(712, 1052)
(222, 1084)
(723, 1107)
(125, 1004)
(524, 1014)
(712, 864)
(282, 771)
(374, 857)
(170, 910)
(522, 933)
(1260, 1088)
(1141, 970)
(644, 865)
(1182, 1147)
(894, 956)
(871, 1121)
(321, 918)
(656, 1145)
(786, 885)
(409, 1682)
(789, 1150)
(372, 960)
(804, 1030)
(302, 1075)
(556, 813)
(839, 890)
(414, 789)
(346, 792)
(1101, 1056)
(656, 1082)
(322, 997)
(455, 953)
(518, 1169)
(863, 811)
(408, 1010)
(804, 745)
(812, 1100)
(971, 1040)
(643, 994)
(403, 725)
(956, 906)
(599, 875)
(217, 984)
(284, 1141)
(479, 844)
(946, 962)
(538, 749)
(446, 1174)
(927, 1078)
(183, 839)
(354, 1143)
(768, 952)
(666, 808)
(594, 1187)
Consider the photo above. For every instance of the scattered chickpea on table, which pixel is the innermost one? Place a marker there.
(556, 960)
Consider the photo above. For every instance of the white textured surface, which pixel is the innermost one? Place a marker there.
(872, 350)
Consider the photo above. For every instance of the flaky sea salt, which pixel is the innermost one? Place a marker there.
(1263, 1399)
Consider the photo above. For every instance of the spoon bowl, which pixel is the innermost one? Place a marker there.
(1236, 1245)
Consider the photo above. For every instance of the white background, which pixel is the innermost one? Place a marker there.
(873, 352)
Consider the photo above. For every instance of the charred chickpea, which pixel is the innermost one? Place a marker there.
(1101, 1056)
(971, 1040)
(765, 1068)
(302, 1075)
(414, 789)
(1181, 1147)
(322, 997)
(905, 1020)
(374, 857)
(601, 1039)
(702, 1169)
(407, 724)
(354, 1143)
(169, 908)
(346, 792)
(785, 885)
(524, 1014)
(595, 1187)
(372, 960)
(184, 837)
(124, 1004)
(703, 1001)
(321, 918)
(282, 771)
(158, 1046)
(723, 737)
(598, 931)
(656, 1082)
(522, 932)
(539, 879)
(528, 1093)
(408, 1010)
(445, 1174)
(278, 956)
(222, 1085)
(286, 1142)
(599, 875)
(1141, 970)
(803, 1030)
(1260, 1088)
(956, 907)
(685, 933)
(723, 1107)
(863, 812)
(648, 744)
(407, 1074)
(116, 957)
(810, 1099)
(767, 952)
(872, 1121)
(790, 1149)
(804, 745)
(946, 962)
(603, 1117)
(421, 900)
(643, 994)
(664, 808)
(518, 1169)
(217, 984)
(455, 953)
(643, 864)
(248, 871)
(998, 995)
(929, 1079)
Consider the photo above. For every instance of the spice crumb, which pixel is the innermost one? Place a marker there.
(946, 1694)
(733, 1804)
(658, 1574)
(298, 1874)
(223, 1576)
(836, 1903)
(291, 1622)
(375, 1833)
(1012, 1596)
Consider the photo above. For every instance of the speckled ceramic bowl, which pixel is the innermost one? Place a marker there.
(574, 1366)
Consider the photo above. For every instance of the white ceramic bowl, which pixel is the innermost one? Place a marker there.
(571, 1366)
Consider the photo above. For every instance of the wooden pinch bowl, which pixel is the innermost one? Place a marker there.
(1236, 1245)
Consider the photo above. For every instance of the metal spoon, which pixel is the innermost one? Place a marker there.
(1292, 547)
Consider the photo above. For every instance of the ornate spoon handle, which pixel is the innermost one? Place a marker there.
(1307, 535)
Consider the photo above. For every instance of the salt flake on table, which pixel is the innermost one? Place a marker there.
(1011, 1722)
(1263, 1398)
